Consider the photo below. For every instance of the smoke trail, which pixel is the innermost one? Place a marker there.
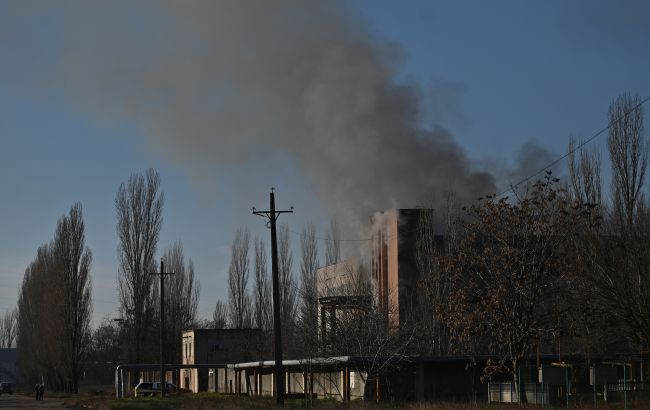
(221, 83)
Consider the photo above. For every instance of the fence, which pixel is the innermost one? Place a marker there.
(506, 392)
(623, 390)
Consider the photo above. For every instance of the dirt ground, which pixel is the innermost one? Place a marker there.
(19, 401)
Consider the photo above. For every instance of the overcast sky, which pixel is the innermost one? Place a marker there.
(345, 107)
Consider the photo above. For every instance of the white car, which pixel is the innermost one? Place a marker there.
(151, 389)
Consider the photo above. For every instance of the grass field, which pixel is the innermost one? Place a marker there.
(102, 398)
(216, 401)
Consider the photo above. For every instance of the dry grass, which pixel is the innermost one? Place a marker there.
(204, 401)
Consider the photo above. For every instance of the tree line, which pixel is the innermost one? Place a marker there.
(54, 311)
(55, 307)
(554, 266)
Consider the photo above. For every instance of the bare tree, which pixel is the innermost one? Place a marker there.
(8, 329)
(333, 244)
(288, 286)
(35, 357)
(238, 272)
(138, 206)
(104, 350)
(617, 258)
(308, 285)
(617, 277)
(628, 151)
(182, 298)
(220, 315)
(262, 289)
(584, 174)
(54, 307)
(75, 284)
(431, 248)
(356, 325)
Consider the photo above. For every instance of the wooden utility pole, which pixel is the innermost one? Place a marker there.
(272, 216)
(162, 273)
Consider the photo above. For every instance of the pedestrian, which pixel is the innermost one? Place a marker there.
(41, 391)
(36, 390)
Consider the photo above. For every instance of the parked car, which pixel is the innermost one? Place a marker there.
(151, 389)
(6, 388)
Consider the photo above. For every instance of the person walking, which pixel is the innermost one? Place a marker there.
(41, 391)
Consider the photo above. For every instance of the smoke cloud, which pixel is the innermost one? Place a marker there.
(231, 83)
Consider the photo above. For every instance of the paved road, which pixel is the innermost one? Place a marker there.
(18, 401)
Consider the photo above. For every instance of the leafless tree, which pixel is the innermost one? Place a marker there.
(238, 297)
(54, 307)
(263, 307)
(138, 206)
(288, 286)
(628, 151)
(333, 244)
(73, 274)
(431, 247)
(618, 278)
(37, 358)
(616, 259)
(356, 325)
(105, 350)
(8, 329)
(182, 298)
(584, 174)
(308, 285)
(220, 315)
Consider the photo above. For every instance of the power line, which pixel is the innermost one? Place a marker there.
(320, 238)
(529, 177)
(569, 152)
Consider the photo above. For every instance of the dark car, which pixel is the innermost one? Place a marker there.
(6, 388)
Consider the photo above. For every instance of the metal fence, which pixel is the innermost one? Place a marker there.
(506, 392)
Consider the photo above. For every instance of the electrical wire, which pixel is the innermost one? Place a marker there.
(569, 152)
(512, 187)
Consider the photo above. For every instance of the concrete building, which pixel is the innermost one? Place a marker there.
(340, 288)
(215, 346)
(338, 279)
(393, 268)
(394, 264)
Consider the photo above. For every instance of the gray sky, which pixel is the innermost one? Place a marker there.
(345, 107)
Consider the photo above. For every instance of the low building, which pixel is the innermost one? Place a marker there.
(9, 365)
(214, 347)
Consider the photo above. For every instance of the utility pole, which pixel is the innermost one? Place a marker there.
(162, 273)
(272, 216)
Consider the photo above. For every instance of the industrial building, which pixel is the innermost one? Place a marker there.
(205, 346)
(394, 265)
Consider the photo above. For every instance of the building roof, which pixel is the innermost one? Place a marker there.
(221, 330)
